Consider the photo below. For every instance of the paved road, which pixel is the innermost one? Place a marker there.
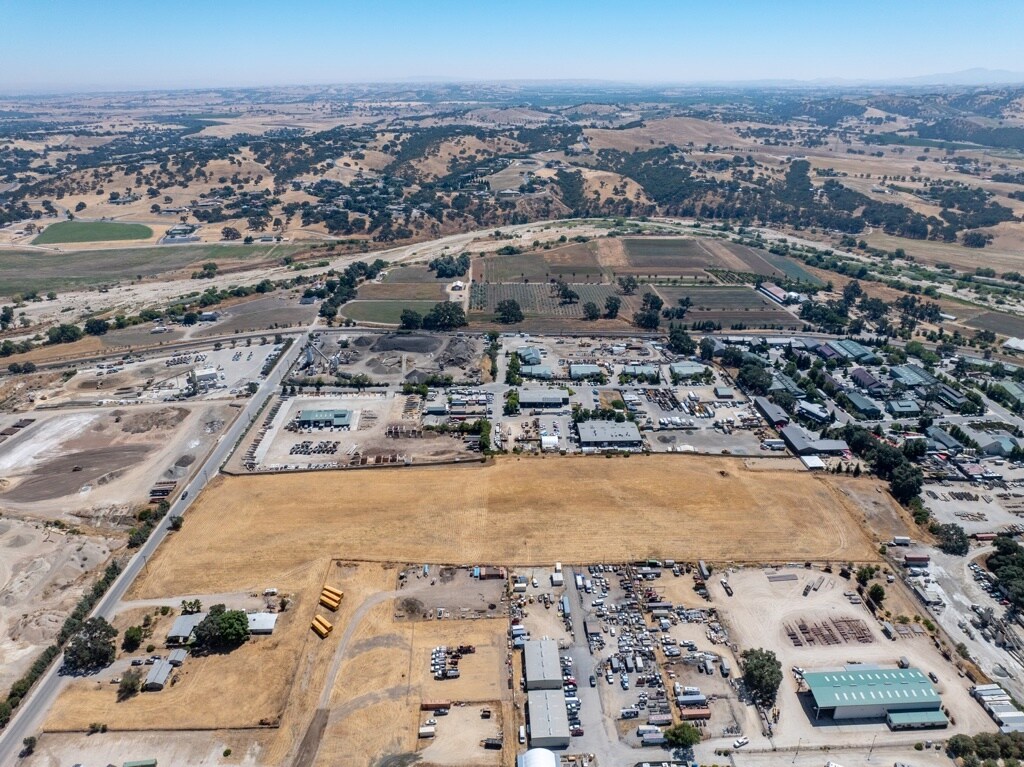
(30, 714)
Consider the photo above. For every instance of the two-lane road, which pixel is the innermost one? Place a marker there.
(30, 714)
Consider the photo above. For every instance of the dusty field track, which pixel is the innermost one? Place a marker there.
(522, 511)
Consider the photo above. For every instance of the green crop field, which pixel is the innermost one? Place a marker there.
(383, 312)
(22, 271)
(91, 231)
(402, 291)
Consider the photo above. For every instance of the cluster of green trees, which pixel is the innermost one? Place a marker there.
(221, 630)
(649, 316)
(762, 674)
(888, 462)
(92, 647)
(340, 288)
(508, 312)
(1007, 563)
(974, 750)
(147, 519)
(449, 266)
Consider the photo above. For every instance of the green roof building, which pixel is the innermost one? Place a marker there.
(322, 419)
(875, 693)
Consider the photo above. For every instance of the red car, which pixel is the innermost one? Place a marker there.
(576, 731)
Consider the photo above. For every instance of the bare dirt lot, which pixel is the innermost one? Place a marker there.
(515, 510)
(43, 571)
(96, 463)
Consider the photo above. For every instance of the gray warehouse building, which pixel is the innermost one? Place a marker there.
(542, 669)
(538, 399)
(549, 722)
(599, 435)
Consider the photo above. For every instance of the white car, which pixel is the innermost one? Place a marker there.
(740, 742)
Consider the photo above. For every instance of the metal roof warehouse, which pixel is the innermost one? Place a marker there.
(871, 693)
(600, 434)
(338, 419)
(541, 665)
(549, 722)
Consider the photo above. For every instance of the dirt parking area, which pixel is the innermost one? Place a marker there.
(765, 614)
(459, 735)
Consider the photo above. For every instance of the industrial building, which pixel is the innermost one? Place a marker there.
(943, 441)
(904, 697)
(206, 376)
(684, 370)
(322, 419)
(863, 406)
(912, 376)
(583, 372)
(542, 399)
(903, 408)
(549, 722)
(771, 412)
(724, 392)
(649, 372)
(813, 411)
(802, 443)
(541, 668)
(542, 372)
(601, 435)
(528, 355)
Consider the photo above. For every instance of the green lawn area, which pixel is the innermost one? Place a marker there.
(383, 312)
(25, 270)
(91, 231)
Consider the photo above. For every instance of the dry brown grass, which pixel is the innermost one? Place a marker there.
(516, 510)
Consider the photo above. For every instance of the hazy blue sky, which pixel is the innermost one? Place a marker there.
(110, 44)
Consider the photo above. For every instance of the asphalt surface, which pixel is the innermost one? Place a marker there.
(30, 714)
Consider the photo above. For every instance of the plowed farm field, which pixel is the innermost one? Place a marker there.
(515, 510)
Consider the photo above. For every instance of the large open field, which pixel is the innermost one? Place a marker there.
(538, 300)
(245, 531)
(91, 231)
(402, 291)
(25, 270)
(383, 312)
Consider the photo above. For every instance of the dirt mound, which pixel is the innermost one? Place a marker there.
(417, 377)
(459, 352)
(395, 342)
(165, 418)
(18, 541)
(364, 341)
(186, 460)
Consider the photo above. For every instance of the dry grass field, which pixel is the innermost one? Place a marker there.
(246, 531)
(241, 689)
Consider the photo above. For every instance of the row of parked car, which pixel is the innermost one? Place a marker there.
(572, 701)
